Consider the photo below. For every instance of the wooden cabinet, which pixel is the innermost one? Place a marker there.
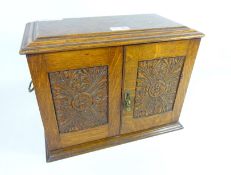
(104, 81)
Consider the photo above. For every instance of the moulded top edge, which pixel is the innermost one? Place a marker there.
(76, 33)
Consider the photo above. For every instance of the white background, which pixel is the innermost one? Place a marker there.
(203, 147)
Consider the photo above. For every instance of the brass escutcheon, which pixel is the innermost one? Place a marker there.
(127, 101)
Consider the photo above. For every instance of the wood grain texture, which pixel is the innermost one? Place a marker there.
(186, 74)
(80, 97)
(109, 142)
(145, 52)
(83, 33)
(109, 57)
(46, 107)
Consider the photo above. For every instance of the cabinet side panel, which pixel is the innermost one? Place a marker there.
(43, 94)
(186, 74)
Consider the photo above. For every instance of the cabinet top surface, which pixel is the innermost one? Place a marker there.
(79, 33)
(75, 26)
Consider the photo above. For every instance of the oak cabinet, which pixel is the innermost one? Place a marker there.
(104, 81)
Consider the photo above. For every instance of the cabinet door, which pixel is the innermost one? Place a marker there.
(79, 94)
(155, 81)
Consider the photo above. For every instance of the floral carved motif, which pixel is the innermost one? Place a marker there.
(156, 86)
(80, 98)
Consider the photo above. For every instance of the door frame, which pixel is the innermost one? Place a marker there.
(135, 53)
(41, 64)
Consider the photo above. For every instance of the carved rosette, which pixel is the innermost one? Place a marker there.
(80, 98)
(156, 86)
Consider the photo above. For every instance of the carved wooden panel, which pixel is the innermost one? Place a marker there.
(156, 86)
(80, 98)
